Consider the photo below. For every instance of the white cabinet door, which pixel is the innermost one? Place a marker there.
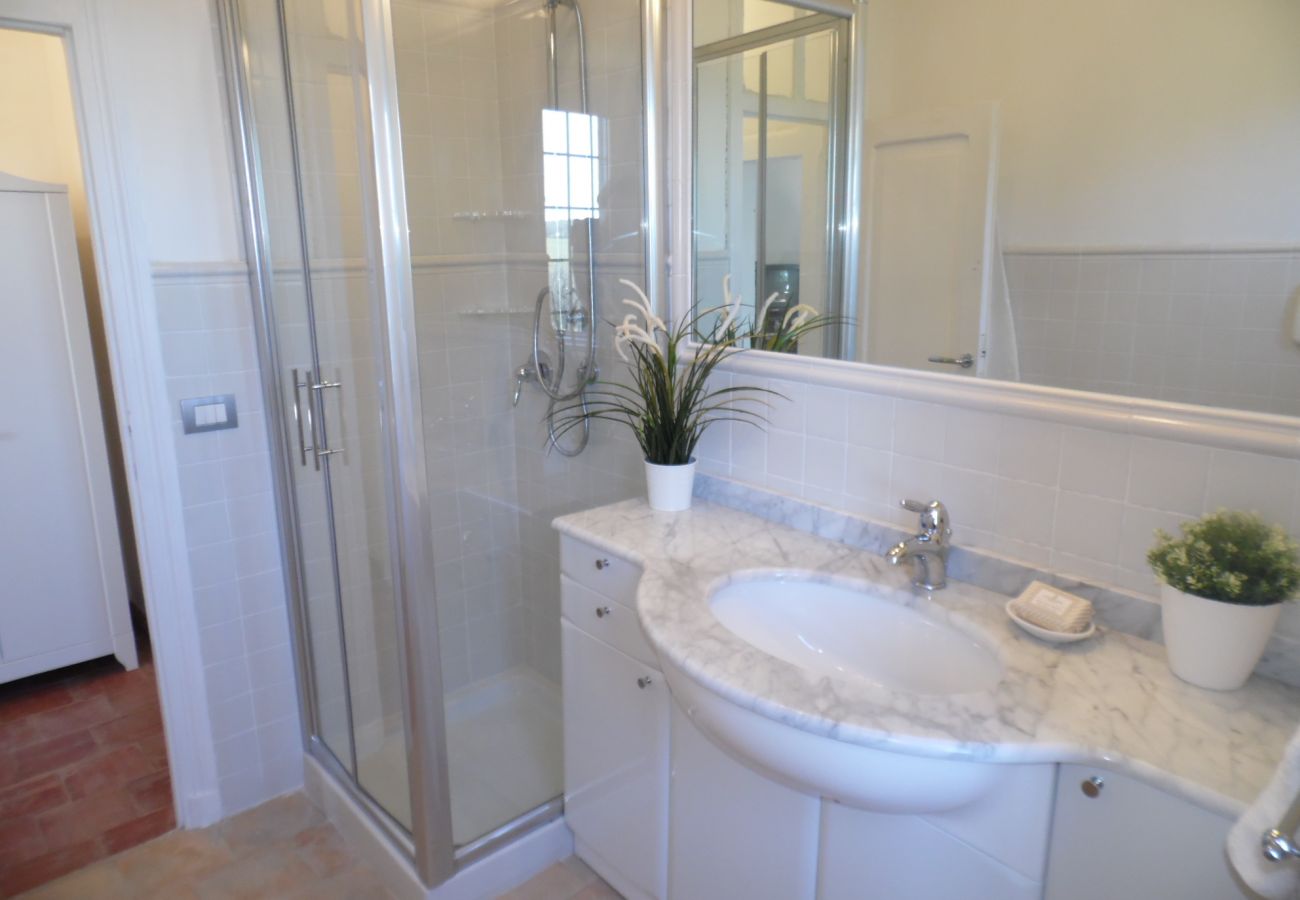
(1133, 840)
(616, 764)
(733, 832)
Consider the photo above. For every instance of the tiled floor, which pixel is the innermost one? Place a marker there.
(83, 769)
(282, 849)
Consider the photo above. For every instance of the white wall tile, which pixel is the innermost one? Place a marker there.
(1029, 450)
(1263, 484)
(1095, 462)
(1087, 526)
(1168, 476)
(919, 429)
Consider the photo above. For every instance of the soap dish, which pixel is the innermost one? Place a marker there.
(1052, 637)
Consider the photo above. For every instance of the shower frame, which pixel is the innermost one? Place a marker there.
(429, 845)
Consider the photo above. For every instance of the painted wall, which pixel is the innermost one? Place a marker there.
(165, 70)
(1122, 123)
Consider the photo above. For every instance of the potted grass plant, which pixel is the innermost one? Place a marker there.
(1223, 582)
(668, 401)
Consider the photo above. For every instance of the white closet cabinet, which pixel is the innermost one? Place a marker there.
(62, 589)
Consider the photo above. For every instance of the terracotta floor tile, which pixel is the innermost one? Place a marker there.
(33, 699)
(20, 838)
(151, 792)
(86, 818)
(135, 693)
(133, 727)
(29, 873)
(115, 766)
(321, 847)
(32, 795)
(264, 875)
(278, 821)
(95, 882)
(137, 831)
(176, 859)
(78, 715)
(48, 756)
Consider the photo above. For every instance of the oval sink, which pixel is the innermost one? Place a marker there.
(847, 632)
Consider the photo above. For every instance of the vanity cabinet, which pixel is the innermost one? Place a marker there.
(616, 728)
(733, 832)
(1128, 839)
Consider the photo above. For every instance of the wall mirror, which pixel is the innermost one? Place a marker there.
(1097, 196)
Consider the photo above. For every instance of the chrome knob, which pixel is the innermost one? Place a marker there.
(1091, 787)
(602, 564)
(644, 682)
(602, 611)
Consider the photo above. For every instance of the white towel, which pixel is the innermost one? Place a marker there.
(1271, 880)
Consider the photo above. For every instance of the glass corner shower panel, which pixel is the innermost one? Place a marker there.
(305, 70)
(522, 139)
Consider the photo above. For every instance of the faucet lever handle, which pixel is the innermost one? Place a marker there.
(934, 517)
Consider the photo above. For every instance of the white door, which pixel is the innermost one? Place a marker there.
(616, 764)
(928, 238)
(62, 589)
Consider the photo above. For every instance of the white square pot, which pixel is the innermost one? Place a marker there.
(1213, 644)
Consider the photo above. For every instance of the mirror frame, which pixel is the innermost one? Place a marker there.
(1233, 429)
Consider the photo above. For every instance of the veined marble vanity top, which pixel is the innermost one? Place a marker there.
(1110, 700)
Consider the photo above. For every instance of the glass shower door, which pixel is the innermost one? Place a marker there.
(304, 69)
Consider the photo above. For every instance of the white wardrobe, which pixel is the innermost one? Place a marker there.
(63, 595)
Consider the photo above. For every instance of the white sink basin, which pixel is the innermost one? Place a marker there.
(848, 633)
(840, 631)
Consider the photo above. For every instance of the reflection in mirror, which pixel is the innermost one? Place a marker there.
(769, 129)
(1094, 195)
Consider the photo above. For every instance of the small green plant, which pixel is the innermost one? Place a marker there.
(1235, 557)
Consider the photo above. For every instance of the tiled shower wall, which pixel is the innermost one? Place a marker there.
(1194, 327)
(472, 84)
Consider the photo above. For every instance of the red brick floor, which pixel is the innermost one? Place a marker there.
(83, 769)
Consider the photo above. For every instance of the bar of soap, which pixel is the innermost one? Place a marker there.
(1052, 608)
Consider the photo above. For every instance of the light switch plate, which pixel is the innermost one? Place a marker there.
(200, 414)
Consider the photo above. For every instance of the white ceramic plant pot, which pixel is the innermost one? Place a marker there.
(1212, 644)
(670, 487)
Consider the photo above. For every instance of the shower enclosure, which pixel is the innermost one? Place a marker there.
(440, 199)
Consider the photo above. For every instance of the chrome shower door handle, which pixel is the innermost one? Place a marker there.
(299, 411)
(965, 360)
(318, 389)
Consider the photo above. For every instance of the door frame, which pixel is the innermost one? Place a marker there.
(139, 390)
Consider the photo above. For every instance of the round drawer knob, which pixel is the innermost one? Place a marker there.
(644, 682)
(602, 611)
(1091, 787)
(602, 564)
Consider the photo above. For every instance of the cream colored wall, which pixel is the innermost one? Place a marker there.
(1160, 122)
(38, 131)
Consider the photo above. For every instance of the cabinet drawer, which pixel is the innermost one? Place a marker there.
(612, 623)
(603, 572)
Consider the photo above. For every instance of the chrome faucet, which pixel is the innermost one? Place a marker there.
(927, 550)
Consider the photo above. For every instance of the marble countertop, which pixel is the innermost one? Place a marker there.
(1110, 700)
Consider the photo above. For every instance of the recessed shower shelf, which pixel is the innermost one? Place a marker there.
(516, 311)
(488, 215)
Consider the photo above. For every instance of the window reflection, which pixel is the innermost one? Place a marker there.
(570, 192)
